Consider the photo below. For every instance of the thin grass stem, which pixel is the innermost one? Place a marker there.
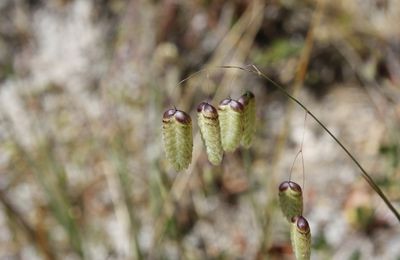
(254, 70)
(364, 173)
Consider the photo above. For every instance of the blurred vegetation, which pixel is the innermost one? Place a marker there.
(84, 83)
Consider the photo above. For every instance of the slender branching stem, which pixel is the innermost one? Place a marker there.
(253, 69)
(364, 173)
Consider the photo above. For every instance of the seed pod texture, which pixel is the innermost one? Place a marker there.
(230, 114)
(249, 118)
(207, 117)
(290, 199)
(177, 138)
(300, 236)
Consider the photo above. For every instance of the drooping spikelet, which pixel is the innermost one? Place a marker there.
(230, 114)
(290, 199)
(300, 236)
(210, 132)
(177, 138)
(249, 118)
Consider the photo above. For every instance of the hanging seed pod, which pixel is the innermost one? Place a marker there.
(177, 138)
(300, 237)
(230, 114)
(249, 118)
(290, 199)
(210, 132)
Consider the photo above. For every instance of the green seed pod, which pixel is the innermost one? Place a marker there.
(300, 235)
(230, 114)
(177, 138)
(210, 132)
(290, 199)
(249, 119)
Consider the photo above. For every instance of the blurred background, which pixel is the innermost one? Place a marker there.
(84, 84)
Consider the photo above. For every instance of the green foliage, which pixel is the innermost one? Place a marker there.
(280, 49)
(392, 153)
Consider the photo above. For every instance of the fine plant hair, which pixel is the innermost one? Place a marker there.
(366, 176)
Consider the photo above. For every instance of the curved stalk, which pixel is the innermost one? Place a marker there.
(364, 173)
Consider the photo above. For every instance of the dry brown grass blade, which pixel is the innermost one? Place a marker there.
(35, 236)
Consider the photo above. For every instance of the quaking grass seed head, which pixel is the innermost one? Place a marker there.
(300, 236)
(177, 138)
(210, 132)
(290, 199)
(249, 118)
(230, 114)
